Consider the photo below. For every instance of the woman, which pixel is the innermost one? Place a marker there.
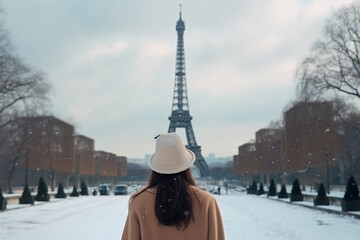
(171, 206)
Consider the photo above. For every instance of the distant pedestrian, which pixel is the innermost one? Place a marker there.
(226, 188)
(94, 193)
(219, 190)
(171, 206)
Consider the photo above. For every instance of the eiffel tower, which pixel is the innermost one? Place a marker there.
(180, 114)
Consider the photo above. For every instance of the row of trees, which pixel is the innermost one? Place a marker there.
(331, 72)
(23, 92)
(350, 201)
(43, 195)
(50, 148)
(329, 75)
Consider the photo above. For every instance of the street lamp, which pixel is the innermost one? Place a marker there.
(327, 163)
(327, 170)
(26, 165)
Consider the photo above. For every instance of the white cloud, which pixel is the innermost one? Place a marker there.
(155, 50)
(107, 50)
(80, 112)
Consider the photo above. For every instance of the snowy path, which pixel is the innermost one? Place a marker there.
(79, 218)
(253, 217)
(245, 217)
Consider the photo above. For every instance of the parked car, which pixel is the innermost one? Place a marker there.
(135, 187)
(104, 189)
(121, 190)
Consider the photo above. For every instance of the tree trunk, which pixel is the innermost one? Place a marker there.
(10, 181)
(283, 178)
(262, 178)
(78, 181)
(53, 181)
(268, 179)
(66, 181)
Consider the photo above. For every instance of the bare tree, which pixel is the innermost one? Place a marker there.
(22, 89)
(348, 118)
(23, 92)
(12, 150)
(333, 66)
(276, 124)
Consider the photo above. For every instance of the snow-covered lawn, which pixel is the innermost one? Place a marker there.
(102, 217)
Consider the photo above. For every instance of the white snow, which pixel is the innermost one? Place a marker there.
(103, 217)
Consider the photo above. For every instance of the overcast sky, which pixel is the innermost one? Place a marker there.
(112, 64)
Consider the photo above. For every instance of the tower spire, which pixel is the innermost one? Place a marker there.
(180, 113)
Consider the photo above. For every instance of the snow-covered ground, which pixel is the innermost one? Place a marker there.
(102, 217)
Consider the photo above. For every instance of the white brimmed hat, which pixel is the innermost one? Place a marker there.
(170, 155)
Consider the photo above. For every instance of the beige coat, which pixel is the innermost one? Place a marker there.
(141, 222)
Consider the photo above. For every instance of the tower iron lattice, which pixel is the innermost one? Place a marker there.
(180, 113)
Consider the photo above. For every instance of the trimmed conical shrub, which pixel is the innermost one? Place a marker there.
(248, 189)
(351, 200)
(283, 193)
(321, 198)
(84, 189)
(261, 190)
(42, 194)
(74, 193)
(3, 202)
(352, 190)
(60, 192)
(272, 189)
(26, 197)
(296, 195)
(253, 188)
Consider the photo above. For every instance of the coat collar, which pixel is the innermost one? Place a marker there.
(153, 190)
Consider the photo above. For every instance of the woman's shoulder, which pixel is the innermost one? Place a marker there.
(201, 194)
(142, 195)
(196, 188)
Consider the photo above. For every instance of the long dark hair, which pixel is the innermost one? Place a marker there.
(173, 204)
